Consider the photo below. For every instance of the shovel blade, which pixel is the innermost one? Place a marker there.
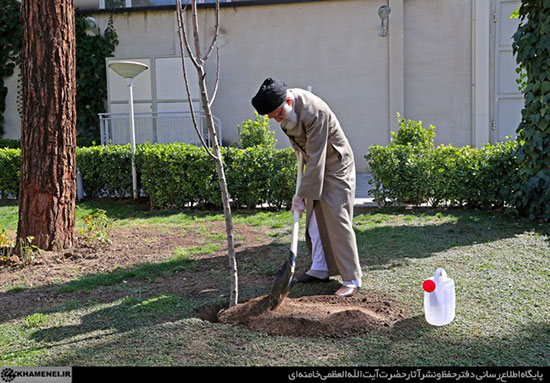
(281, 285)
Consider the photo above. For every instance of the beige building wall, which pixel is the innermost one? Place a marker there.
(423, 69)
(143, 34)
(438, 67)
(332, 47)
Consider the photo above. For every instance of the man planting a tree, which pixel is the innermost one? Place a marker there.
(327, 188)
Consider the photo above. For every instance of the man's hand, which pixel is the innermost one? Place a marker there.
(298, 205)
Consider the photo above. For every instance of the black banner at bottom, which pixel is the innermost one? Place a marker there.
(324, 374)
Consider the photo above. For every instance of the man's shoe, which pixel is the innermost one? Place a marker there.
(306, 278)
(346, 291)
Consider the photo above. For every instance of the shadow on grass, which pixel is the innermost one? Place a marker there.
(256, 266)
(103, 304)
(413, 342)
(144, 271)
(129, 314)
(379, 246)
(128, 209)
(384, 246)
(194, 343)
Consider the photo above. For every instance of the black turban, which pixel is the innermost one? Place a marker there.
(271, 95)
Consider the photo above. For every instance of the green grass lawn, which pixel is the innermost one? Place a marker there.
(500, 266)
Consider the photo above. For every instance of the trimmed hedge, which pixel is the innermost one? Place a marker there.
(10, 143)
(10, 165)
(106, 170)
(418, 172)
(177, 175)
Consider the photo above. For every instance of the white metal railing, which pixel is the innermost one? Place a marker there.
(155, 127)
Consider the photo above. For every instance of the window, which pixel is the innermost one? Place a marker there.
(112, 4)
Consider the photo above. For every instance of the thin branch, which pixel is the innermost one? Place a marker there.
(196, 33)
(217, 77)
(183, 27)
(216, 32)
(187, 87)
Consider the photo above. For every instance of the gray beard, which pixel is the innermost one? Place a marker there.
(291, 118)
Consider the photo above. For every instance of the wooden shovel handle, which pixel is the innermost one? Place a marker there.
(300, 172)
(296, 224)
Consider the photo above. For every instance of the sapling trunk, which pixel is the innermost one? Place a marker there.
(206, 102)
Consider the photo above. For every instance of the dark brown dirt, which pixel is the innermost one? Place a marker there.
(315, 316)
(130, 248)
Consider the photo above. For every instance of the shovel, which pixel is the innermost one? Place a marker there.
(283, 279)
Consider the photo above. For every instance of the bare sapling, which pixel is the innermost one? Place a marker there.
(198, 60)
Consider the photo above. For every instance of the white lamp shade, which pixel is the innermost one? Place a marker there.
(128, 69)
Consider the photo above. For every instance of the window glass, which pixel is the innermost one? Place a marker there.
(110, 4)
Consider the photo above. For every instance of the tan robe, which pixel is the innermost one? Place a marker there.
(328, 183)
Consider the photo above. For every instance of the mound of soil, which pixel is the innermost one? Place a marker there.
(314, 316)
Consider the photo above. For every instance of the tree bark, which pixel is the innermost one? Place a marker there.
(47, 191)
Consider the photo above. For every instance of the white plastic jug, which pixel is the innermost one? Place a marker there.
(439, 298)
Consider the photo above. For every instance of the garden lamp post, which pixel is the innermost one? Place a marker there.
(384, 14)
(129, 70)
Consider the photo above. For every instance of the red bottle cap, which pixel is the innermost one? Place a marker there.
(428, 285)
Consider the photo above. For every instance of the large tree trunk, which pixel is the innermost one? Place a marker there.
(48, 132)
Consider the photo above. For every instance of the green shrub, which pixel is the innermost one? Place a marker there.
(259, 175)
(400, 169)
(106, 170)
(446, 176)
(248, 172)
(498, 165)
(10, 143)
(399, 174)
(282, 180)
(10, 163)
(474, 177)
(177, 175)
(412, 170)
(412, 133)
(257, 132)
